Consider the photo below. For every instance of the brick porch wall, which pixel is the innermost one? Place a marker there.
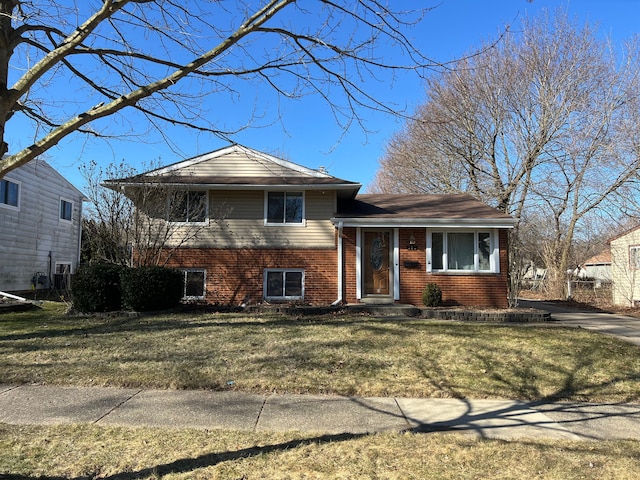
(471, 290)
(235, 276)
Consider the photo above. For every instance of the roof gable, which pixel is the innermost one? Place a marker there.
(238, 166)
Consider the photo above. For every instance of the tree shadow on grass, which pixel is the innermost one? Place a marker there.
(186, 465)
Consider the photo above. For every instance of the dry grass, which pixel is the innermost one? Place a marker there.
(84, 451)
(347, 355)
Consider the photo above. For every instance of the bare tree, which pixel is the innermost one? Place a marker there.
(141, 225)
(66, 66)
(544, 122)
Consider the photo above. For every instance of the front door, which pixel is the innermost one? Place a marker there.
(376, 262)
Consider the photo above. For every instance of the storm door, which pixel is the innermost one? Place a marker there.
(376, 263)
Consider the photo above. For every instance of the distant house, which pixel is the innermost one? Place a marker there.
(293, 234)
(40, 228)
(598, 267)
(625, 268)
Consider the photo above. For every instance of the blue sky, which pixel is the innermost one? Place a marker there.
(308, 133)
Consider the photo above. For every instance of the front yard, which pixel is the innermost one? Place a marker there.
(342, 355)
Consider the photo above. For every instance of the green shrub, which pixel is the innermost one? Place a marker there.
(432, 295)
(151, 288)
(96, 288)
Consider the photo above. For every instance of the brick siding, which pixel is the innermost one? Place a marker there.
(471, 290)
(235, 276)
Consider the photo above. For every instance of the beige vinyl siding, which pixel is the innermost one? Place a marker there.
(626, 279)
(236, 220)
(236, 164)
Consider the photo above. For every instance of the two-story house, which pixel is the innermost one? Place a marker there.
(40, 228)
(272, 230)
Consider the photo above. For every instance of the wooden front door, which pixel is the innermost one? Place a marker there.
(375, 259)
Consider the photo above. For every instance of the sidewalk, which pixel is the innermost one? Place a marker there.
(503, 419)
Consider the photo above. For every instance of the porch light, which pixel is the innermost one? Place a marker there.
(412, 243)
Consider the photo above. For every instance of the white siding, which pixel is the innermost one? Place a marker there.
(626, 279)
(33, 238)
(237, 221)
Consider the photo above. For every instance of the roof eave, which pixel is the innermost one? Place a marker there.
(452, 223)
(236, 186)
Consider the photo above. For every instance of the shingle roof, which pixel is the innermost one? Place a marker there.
(460, 206)
(227, 180)
(602, 257)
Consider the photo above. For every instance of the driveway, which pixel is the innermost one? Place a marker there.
(626, 328)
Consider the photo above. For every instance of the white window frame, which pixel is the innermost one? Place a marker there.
(56, 272)
(283, 271)
(494, 255)
(185, 271)
(634, 257)
(187, 221)
(284, 223)
(60, 217)
(8, 205)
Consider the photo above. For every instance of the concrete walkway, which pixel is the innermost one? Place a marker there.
(621, 326)
(509, 420)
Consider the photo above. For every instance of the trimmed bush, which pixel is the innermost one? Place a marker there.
(151, 288)
(432, 295)
(96, 288)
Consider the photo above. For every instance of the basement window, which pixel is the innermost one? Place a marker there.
(194, 287)
(282, 284)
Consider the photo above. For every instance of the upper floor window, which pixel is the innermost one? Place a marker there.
(462, 251)
(66, 210)
(285, 208)
(188, 207)
(9, 193)
(634, 257)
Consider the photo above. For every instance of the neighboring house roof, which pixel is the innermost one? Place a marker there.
(235, 166)
(603, 257)
(44, 170)
(459, 210)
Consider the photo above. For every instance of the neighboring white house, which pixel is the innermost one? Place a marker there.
(598, 267)
(40, 227)
(625, 268)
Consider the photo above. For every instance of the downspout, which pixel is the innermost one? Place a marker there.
(79, 238)
(340, 266)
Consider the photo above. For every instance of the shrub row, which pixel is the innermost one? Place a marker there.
(106, 288)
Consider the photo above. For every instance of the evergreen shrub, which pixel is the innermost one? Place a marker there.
(96, 288)
(151, 288)
(432, 295)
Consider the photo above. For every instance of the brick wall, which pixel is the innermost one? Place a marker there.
(235, 276)
(472, 290)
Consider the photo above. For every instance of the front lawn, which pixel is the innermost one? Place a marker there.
(88, 451)
(342, 355)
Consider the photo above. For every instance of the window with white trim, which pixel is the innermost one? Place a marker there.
(62, 275)
(9, 193)
(188, 207)
(284, 208)
(194, 283)
(634, 257)
(66, 210)
(283, 284)
(462, 251)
